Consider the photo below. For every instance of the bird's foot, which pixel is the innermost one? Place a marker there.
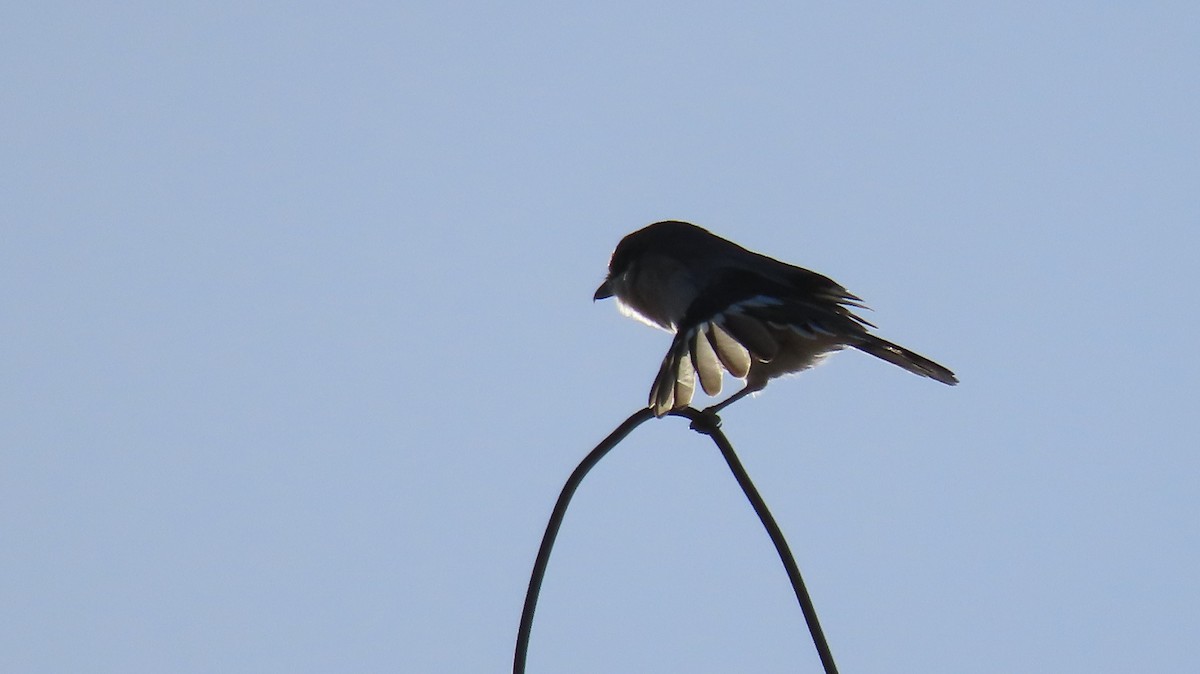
(706, 422)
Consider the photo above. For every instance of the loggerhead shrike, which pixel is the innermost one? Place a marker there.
(737, 310)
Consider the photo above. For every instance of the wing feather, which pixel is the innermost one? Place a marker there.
(705, 360)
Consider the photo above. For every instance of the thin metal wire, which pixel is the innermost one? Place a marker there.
(707, 424)
(552, 527)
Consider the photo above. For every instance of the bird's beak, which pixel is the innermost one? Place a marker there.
(603, 292)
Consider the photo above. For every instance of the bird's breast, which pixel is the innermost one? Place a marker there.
(659, 291)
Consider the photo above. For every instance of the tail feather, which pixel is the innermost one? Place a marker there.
(913, 362)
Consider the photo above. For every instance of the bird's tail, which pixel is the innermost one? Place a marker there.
(913, 362)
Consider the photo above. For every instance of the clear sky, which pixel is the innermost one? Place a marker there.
(297, 343)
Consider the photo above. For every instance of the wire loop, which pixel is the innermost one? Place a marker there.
(705, 423)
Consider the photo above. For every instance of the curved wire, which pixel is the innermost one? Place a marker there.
(705, 423)
(709, 424)
(552, 527)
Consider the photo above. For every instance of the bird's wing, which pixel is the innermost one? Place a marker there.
(733, 322)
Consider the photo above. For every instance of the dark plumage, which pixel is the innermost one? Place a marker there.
(735, 310)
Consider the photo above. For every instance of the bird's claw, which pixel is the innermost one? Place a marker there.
(706, 422)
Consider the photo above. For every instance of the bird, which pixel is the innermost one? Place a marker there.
(734, 310)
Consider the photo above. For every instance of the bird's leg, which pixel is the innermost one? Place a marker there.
(709, 421)
(746, 390)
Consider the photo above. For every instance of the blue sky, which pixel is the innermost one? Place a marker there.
(298, 342)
